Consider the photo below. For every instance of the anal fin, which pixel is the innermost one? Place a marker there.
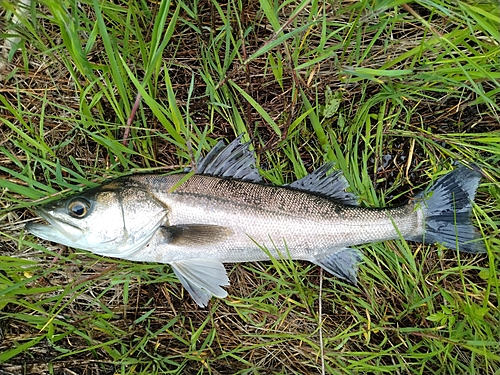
(202, 278)
(342, 263)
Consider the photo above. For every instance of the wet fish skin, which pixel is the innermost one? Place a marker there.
(121, 219)
(198, 224)
(280, 219)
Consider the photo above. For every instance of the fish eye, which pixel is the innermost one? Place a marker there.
(79, 207)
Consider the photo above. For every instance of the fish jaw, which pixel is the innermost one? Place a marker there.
(115, 224)
(56, 230)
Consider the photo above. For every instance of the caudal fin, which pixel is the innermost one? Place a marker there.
(447, 209)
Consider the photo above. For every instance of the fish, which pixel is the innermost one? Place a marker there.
(224, 212)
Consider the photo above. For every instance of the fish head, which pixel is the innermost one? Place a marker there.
(112, 220)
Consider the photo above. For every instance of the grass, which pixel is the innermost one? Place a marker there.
(394, 93)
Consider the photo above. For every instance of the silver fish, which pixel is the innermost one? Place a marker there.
(225, 213)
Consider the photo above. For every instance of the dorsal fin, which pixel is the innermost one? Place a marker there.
(332, 185)
(232, 161)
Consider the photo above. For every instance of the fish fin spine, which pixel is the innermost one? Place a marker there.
(235, 160)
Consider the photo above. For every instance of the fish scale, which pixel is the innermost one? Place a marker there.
(226, 213)
(272, 216)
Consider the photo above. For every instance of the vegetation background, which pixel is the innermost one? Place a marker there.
(394, 91)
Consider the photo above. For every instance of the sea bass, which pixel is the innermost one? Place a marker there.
(226, 213)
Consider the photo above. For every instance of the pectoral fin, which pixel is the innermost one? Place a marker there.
(194, 234)
(202, 278)
(343, 263)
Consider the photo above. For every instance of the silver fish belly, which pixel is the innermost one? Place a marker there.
(225, 213)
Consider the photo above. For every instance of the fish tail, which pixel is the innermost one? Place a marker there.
(447, 207)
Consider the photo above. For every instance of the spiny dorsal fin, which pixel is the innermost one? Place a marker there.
(332, 185)
(232, 161)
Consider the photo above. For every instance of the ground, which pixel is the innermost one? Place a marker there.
(394, 93)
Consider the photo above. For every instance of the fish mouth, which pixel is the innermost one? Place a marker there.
(56, 230)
